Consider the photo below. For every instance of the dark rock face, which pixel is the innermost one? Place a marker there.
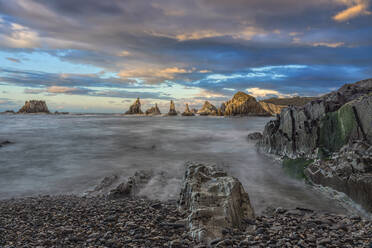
(4, 143)
(187, 111)
(135, 108)
(254, 136)
(243, 104)
(208, 109)
(34, 106)
(214, 202)
(221, 110)
(153, 110)
(172, 109)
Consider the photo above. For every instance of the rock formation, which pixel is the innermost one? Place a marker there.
(153, 110)
(254, 136)
(4, 143)
(172, 109)
(208, 109)
(135, 108)
(194, 110)
(221, 110)
(271, 108)
(213, 200)
(243, 104)
(289, 101)
(187, 111)
(34, 106)
(321, 128)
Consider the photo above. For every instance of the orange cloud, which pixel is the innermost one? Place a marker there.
(59, 89)
(356, 8)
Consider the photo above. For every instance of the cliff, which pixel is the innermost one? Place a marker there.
(242, 104)
(34, 106)
(135, 108)
(271, 108)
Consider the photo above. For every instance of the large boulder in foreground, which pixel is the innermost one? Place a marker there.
(187, 111)
(153, 110)
(208, 109)
(135, 108)
(34, 106)
(243, 104)
(213, 200)
(172, 109)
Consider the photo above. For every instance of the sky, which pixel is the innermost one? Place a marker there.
(99, 56)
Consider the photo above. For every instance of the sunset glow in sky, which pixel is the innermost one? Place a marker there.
(98, 56)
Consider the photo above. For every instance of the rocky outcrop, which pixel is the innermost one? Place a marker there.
(194, 110)
(208, 109)
(243, 104)
(221, 109)
(254, 136)
(214, 201)
(34, 106)
(271, 108)
(4, 143)
(172, 109)
(348, 171)
(135, 108)
(187, 111)
(153, 110)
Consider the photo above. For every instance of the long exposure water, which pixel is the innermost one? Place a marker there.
(55, 154)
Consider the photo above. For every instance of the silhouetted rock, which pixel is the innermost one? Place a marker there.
(34, 106)
(243, 104)
(172, 109)
(187, 111)
(135, 108)
(214, 202)
(153, 110)
(61, 113)
(208, 109)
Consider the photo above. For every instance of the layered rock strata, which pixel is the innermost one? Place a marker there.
(271, 108)
(208, 109)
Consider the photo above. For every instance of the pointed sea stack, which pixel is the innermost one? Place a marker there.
(187, 111)
(208, 109)
(243, 104)
(34, 106)
(153, 110)
(135, 108)
(172, 109)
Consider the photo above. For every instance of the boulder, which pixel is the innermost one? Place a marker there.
(135, 108)
(187, 111)
(208, 109)
(153, 110)
(271, 108)
(214, 201)
(172, 109)
(243, 104)
(34, 106)
(254, 136)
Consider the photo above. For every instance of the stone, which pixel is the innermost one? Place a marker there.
(153, 110)
(34, 106)
(208, 109)
(271, 108)
(5, 142)
(254, 136)
(213, 200)
(135, 108)
(243, 104)
(172, 109)
(187, 111)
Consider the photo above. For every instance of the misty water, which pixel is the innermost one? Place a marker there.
(68, 154)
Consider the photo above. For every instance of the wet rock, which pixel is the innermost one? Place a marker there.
(34, 106)
(172, 109)
(187, 111)
(243, 104)
(254, 136)
(208, 109)
(214, 201)
(153, 110)
(135, 108)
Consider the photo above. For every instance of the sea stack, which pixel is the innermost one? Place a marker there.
(208, 109)
(34, 106)
(135, 108)
(153, 110)
(172, 109)
(187, 111)
(243, 104)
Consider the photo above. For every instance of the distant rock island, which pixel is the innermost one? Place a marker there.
(135, 108)
(242, 104)
(208, 109)
(172, 109)
(153, 110)
(34, 106)
(187, 111)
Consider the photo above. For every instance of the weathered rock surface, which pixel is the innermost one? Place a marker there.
(243, 104)
(187, 111)
(208, 109)
(255, 136)
(348, 171)
(214, 201)
(271, 108)
(172, 109)
(135, 108)
(34, 106)
(153, 110)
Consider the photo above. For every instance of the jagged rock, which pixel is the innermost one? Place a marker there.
(153, 110)
(213, 200)
(34, 106)
(254, 136)
(244, 105)
(172, 109)
(208, 109)
(135, 108)
(348, 171)
(221, 110)
(271, 108)
(187, 111)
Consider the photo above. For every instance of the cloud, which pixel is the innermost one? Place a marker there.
(264, 93)
(13, 60)
(355, 8)
(328, 44)
(152, 74)
(59, 89)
